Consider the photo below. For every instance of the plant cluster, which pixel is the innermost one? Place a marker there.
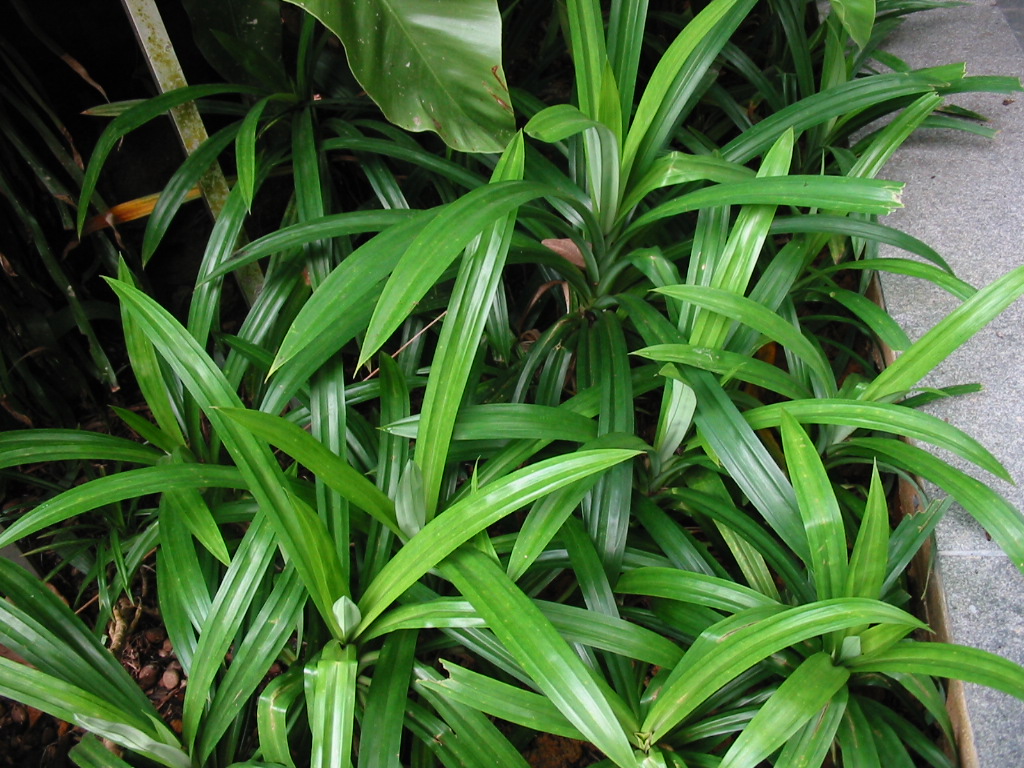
(575, 430)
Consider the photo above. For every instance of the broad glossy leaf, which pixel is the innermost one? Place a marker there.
(537, 646)
(819, 509)
(252, 658)
(474, 512)
(28, 446)
(958, 662)
(881, 417)
(844, 99)
(331, 705)
(948, 335)
(124, 485)
(436, 247)
(803, 694)
(509, 421)
(743, 640)
(504, 701)
(429, 66)
(241, 39)
(857, 17)
(305, 449)
(690, 587)
(384, 710)
(995, 514)
(472, 296)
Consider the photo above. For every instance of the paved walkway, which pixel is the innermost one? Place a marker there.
(965, 197)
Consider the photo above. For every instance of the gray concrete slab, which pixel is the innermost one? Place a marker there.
(964, 197)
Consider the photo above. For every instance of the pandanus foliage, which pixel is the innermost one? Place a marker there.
(584, 439)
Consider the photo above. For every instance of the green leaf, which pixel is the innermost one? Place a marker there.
(124, 485)
(1001, 519)
(429, 66)
(238, 588)
(880, 417)
(508, 421)
(811, 744)
(694, 588)
(130, 120)
(302, 535)
(44, 445)
(841, 193)
(730, 365)
(474, 512)
(747, 460)
(957, 662)
(739, 642)
(870, 551)
(308, 451)
(468, 307)
(240, 39)
(948, 335)
(436, 247)
(87, 710)
(589, 55)
(331, 703)
(881, 323)
(677, 74)
(539, 649)
(176, 190)
(819, 509)
(384, 711)
(679, 168)
(252, 658)
(272, 716)
(855, 227)
(483, 743)
(857, 17)
(503, 701)
(845, 99)
(801, 697)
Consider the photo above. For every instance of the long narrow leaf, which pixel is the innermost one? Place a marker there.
(556, 670)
